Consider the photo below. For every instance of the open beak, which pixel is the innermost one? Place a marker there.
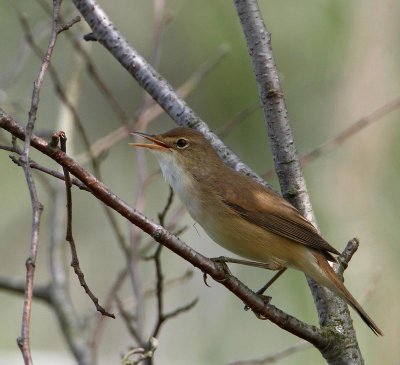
(156, 145)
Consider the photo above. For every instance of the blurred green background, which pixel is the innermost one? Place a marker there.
(338, 61)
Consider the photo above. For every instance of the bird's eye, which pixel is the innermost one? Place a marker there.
(182, 143)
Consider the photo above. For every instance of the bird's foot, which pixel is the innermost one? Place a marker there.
(221, 262)
(265, 298)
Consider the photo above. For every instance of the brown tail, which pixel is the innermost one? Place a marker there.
(332, 282)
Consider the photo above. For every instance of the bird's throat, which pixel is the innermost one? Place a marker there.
(181, 181)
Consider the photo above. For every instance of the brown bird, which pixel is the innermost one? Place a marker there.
(242, 215)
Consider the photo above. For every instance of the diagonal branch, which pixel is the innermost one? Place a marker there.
(319, 338)
(150, 80)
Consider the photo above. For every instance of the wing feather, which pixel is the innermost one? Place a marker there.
(298, 229)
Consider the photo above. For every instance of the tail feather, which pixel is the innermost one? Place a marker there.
(332, 282)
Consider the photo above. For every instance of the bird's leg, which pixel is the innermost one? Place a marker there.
(261, 291)
(270, 282)
(262, 265)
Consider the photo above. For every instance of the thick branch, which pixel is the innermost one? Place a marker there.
(330, 308)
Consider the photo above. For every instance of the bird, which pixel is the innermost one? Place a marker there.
(242, 215)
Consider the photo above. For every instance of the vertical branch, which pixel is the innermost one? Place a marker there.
(24, 339)
(287, 164)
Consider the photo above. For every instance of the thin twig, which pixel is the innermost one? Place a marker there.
(272, 359)
(24, 340)
(36, 166)
(56, 81)
(17, 286)
(93, 72)
(346, 134)
(111, 297)
(350, 131)
(68, 24)
(128, 320)
(70, 320)
(105, 143)
(69, 237)
(171, 283)
(161, 316)
(237, 119)
(345, 257)
(187, 275)
(161, 216)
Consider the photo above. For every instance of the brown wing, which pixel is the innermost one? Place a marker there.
(299, 230)
(261, 206)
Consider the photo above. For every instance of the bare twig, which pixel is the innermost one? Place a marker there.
(24, 339)
(36, 166)
(70, 320)
(17, 286)
(105, 143)
(176, 312)
(272, 359)
(346, 134)
(353, 129)
(93, 72)
(70, 238)
(345, 257)
(187, 275)
(161, 216)
(237, 119)
(69, 24)
(57, 82)
(112, 295)
(171, 283)
(161, 316)
(129, 322)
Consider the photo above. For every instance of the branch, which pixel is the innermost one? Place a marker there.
(237, 119)
(105, 143)
(36, 166)
(24, 340)
(70, 238)
(147, 77)
(319, 338)
(345, 134)
(92, 71)
(17, 286)
(272, 359)
(112, 295)
(330, 308)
